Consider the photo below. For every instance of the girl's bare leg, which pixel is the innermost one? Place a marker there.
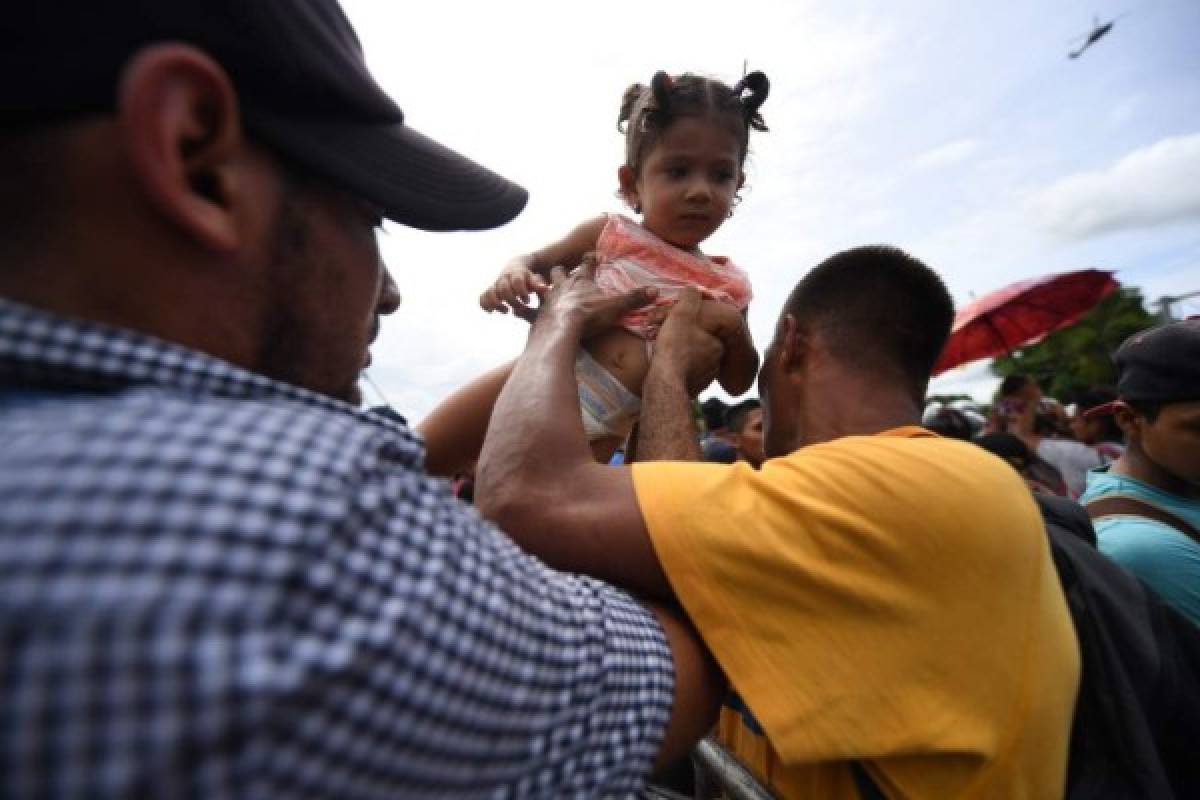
(454, 431)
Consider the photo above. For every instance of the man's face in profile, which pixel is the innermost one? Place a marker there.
(330, 288)
(1172, 441)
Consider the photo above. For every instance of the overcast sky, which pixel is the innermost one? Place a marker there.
(958, 131)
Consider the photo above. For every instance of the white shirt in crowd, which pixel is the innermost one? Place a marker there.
(1072, 459)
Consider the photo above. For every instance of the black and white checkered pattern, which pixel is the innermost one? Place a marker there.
(216, 585)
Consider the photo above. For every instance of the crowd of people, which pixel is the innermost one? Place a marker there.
(223, 577)
(1113, 443)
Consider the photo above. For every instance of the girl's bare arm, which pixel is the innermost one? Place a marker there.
(526, 274)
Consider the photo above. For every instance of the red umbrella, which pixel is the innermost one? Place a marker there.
(1023, 313)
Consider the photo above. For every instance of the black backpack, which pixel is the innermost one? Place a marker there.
(1137, 717)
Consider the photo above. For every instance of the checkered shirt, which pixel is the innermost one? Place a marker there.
(213, 584)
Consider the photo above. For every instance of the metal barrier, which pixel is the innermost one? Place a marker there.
(720, 774)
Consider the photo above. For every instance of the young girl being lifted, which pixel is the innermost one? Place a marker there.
(686, 140)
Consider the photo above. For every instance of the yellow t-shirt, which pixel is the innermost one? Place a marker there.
(887, 598)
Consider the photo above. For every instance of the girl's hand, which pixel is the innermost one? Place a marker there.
(512, 289)
(577, 297)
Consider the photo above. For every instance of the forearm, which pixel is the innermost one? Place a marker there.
(699, 687)
(666, 431)
(569, 251)
(536, 478)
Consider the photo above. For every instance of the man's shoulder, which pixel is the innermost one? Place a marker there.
(1165, 558)
(922, 488)
(905, 458)
(149, 407)
(906, 479)
(913, 457)
(1100, 481)
(144, 433)
(1103, 483)
(1133, 539)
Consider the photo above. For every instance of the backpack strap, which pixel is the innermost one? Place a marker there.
(1124, 505)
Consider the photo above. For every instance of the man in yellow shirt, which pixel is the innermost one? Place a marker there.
(874, 593)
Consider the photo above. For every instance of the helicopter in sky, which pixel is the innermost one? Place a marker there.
(1099, 30)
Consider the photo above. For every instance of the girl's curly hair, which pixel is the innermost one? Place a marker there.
(647, 111)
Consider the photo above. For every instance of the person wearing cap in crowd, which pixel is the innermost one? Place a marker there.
(882, 599)
(1025, 412)
(221, 578)
(1146, 505)
(745, 425)
(1093, 423)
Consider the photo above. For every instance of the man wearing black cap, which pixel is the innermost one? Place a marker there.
(1146, 505)
(220, 577)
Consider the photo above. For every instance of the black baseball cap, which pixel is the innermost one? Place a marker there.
(303, 85)
(1161, 365)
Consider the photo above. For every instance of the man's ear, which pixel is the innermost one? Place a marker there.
(795, 343)
(1128, 420)
(181, 127)
(627, 180)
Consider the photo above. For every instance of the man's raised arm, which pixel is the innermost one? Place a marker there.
(536, 474)
(537, 479)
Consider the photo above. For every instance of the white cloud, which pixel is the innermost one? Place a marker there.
(974, 380)
(1151, 186)
(947, 154)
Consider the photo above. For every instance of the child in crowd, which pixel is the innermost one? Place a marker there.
(686, 140)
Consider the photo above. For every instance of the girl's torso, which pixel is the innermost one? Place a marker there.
(629, 256)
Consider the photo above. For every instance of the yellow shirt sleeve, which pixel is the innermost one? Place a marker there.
(882, 597)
